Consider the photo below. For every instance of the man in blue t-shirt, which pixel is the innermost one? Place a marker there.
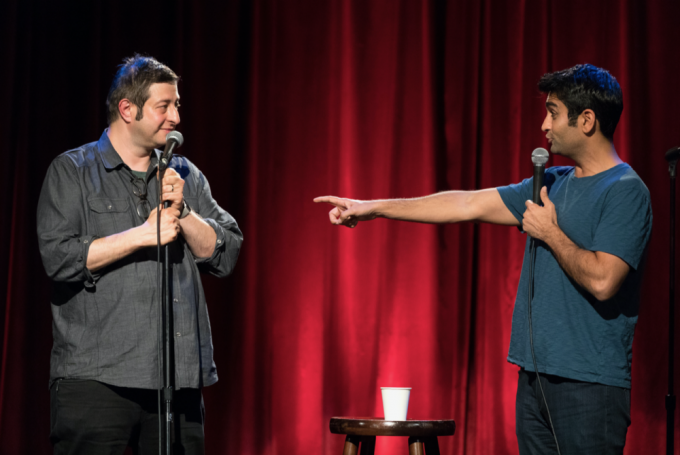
(591, 234)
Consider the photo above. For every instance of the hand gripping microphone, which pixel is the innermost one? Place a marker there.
(173, 140)
(539, 157)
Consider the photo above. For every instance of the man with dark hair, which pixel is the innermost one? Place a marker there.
(98, 241)
(133, 81)
(592, 233)
(587, 87)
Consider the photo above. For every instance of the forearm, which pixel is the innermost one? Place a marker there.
(449, 207)
(199, 235)
(594, 271)
(110, 249)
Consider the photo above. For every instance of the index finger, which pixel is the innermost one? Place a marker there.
(336, 201)
(171, 176)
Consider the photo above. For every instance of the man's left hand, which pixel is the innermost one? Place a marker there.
(173, 189)
(540, 222)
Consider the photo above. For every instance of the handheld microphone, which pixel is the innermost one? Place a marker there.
(539, 157)
(173, 140)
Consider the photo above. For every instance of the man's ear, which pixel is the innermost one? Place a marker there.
(588, 122)
(127, 110)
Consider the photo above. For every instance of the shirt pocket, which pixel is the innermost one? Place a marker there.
(110, 216)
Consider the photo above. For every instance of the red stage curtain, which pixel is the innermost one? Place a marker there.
(287, 100)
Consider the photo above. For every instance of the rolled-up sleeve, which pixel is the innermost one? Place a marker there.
(229, 236)
(63, 244)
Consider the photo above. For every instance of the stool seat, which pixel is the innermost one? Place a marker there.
(362, 431)
(374, 426)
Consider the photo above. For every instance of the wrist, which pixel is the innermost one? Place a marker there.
(553, 236)
(143, 236)
(185, 210)
(378, 208)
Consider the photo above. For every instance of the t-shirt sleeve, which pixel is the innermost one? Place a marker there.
(515, 196)
(626, 223)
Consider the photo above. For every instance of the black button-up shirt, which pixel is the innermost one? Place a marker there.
(105, 323)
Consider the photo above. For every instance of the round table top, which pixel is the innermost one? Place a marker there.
(375, 426)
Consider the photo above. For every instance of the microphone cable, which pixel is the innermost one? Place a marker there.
(532, 257)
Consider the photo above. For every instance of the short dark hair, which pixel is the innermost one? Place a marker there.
(587, 87)
(132, 82)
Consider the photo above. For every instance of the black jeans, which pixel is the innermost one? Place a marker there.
(588, 418)
(89, 417)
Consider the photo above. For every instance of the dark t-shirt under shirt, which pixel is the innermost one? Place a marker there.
(575, 335)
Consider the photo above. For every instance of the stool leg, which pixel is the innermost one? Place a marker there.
(415, 446)
(367, 445)
(351, 445)
(432, 446)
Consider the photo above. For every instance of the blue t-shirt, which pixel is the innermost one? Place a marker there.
(575, 335)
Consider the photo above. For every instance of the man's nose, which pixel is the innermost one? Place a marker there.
(546, 124)
(173, 115)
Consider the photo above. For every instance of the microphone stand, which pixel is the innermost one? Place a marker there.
(167, 362)
(173, 140)
(672, 156)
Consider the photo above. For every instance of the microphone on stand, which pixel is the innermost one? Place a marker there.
(166, 368)
(673, 154)
(672, 157)
(173, 140)
(539, 157)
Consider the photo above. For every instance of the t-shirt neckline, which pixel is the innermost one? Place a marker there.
(598, 175)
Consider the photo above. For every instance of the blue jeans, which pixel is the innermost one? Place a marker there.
(588, 418)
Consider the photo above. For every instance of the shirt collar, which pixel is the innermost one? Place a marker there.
(111, 159)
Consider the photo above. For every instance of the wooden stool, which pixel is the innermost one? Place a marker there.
(363, 430)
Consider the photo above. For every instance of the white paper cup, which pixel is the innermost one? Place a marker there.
(395, 402)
